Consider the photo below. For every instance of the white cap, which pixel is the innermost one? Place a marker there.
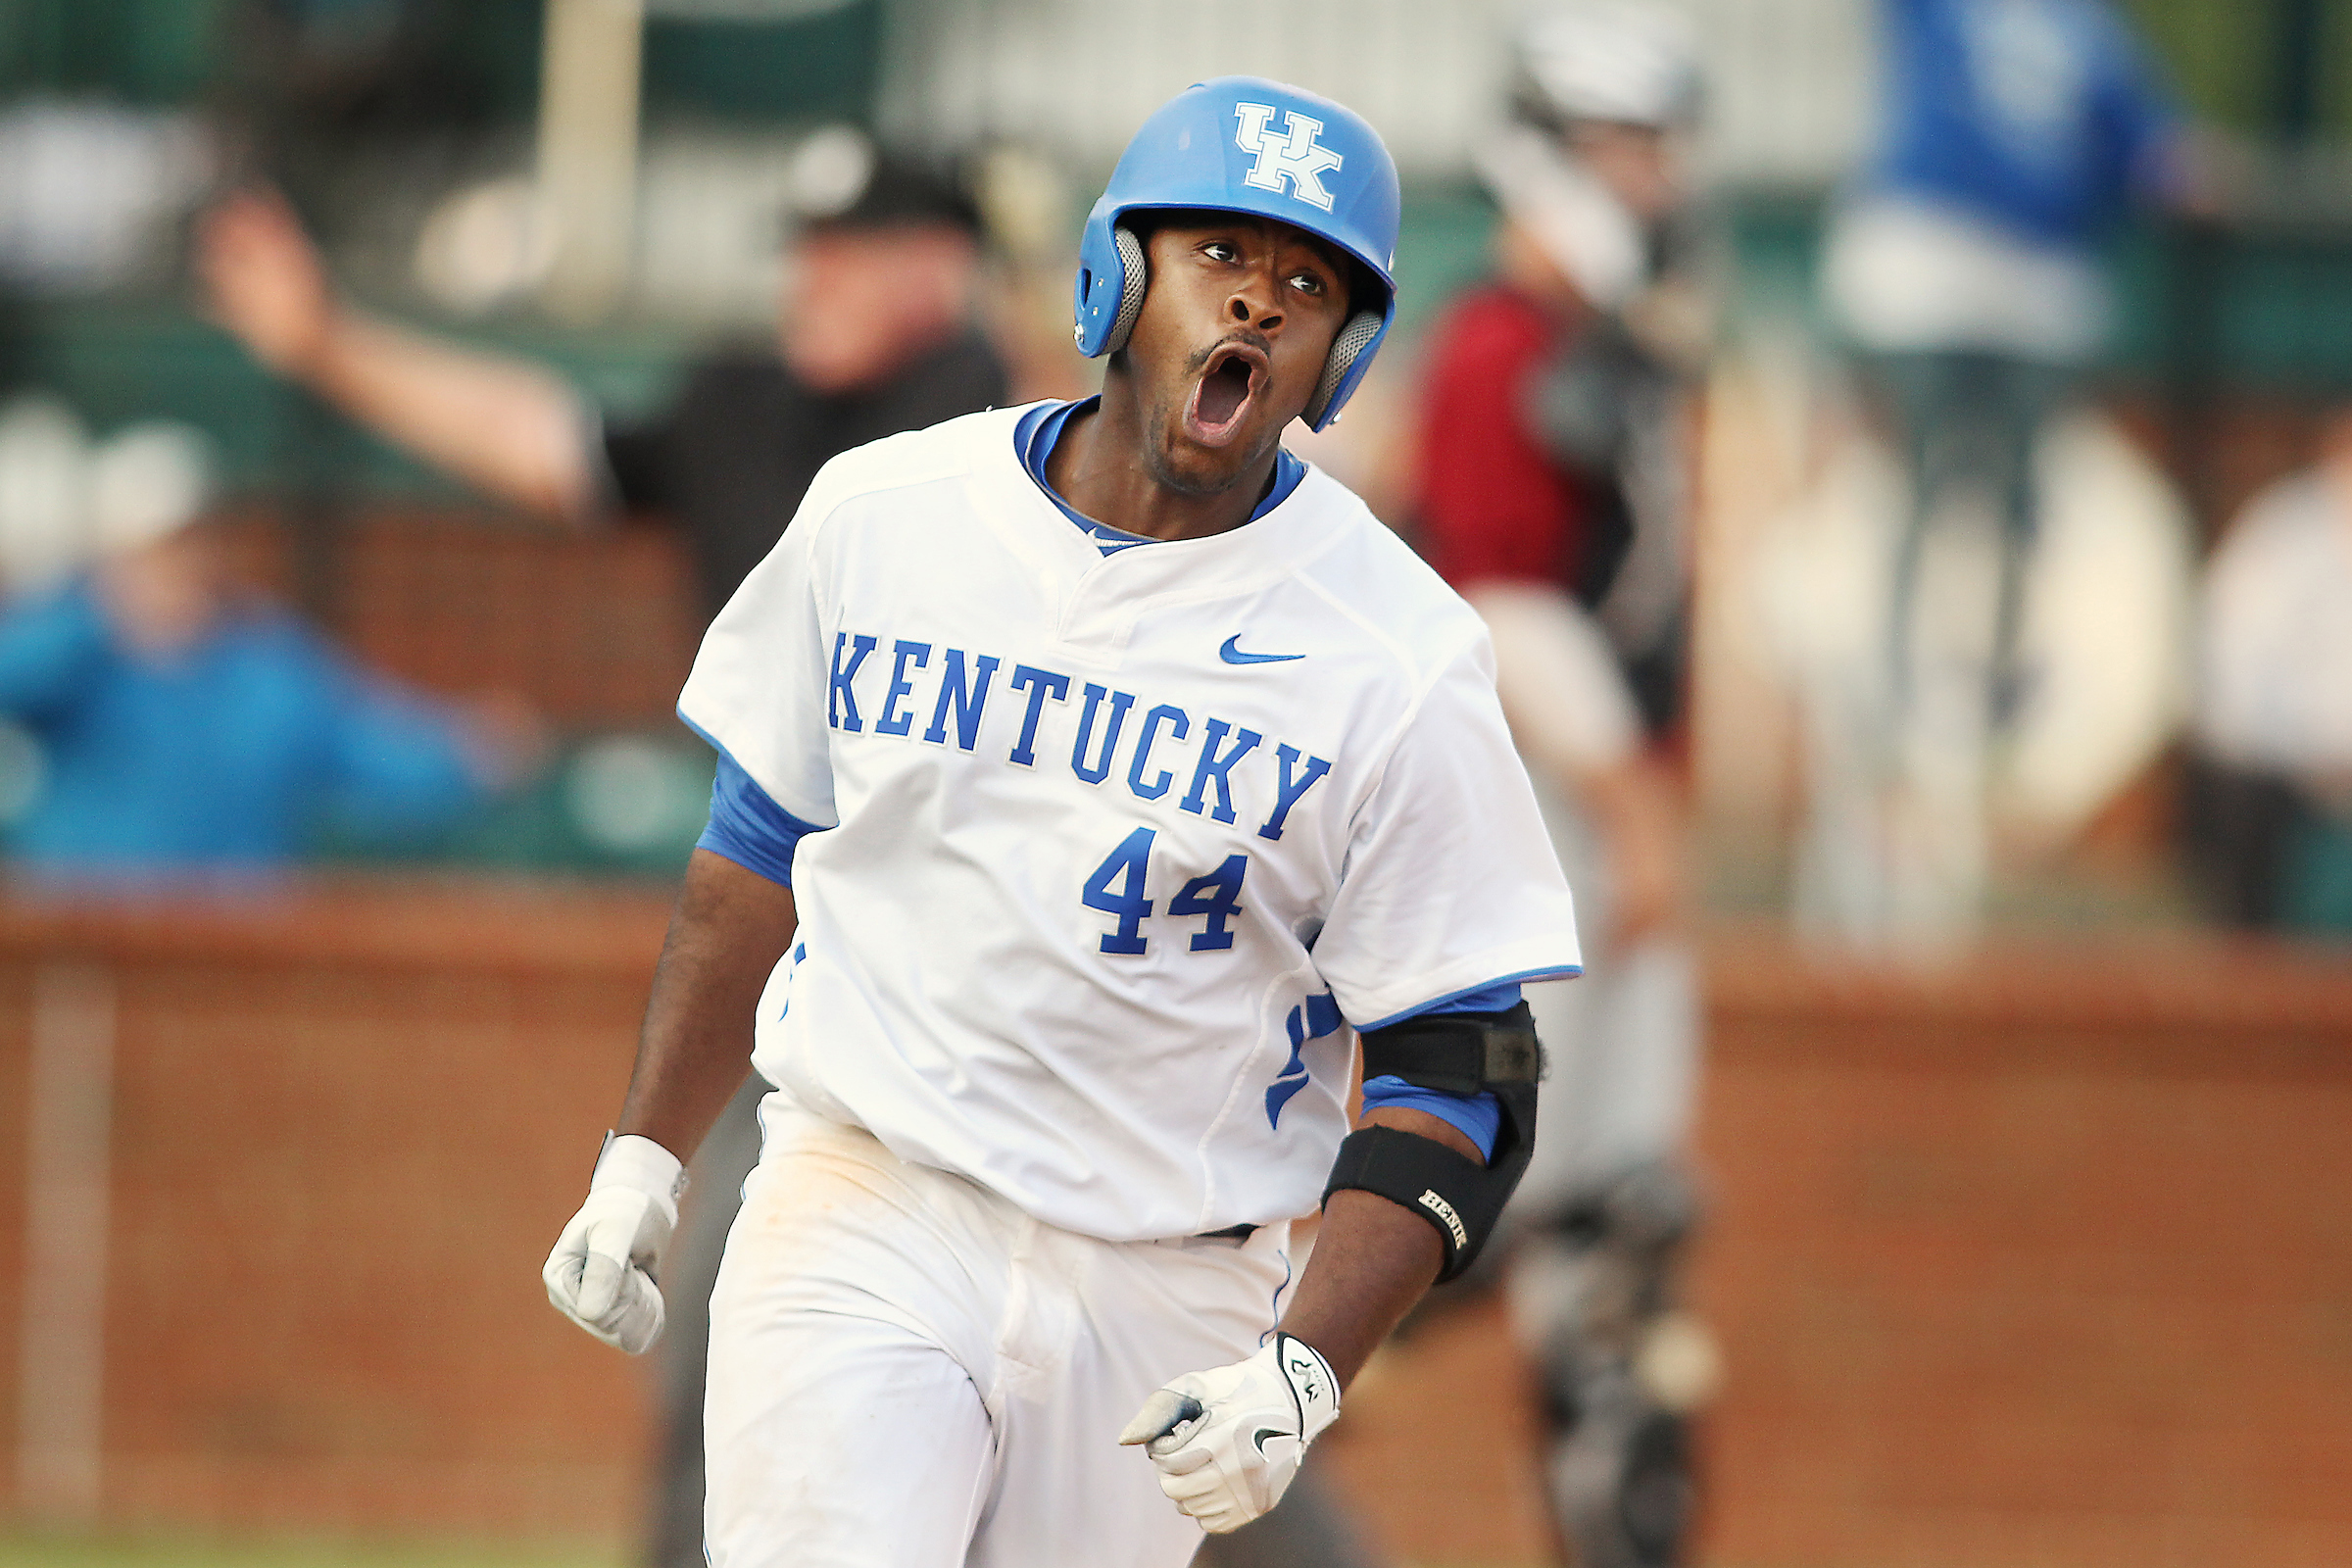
(1619, 60)
(147, 482)
(829, 170)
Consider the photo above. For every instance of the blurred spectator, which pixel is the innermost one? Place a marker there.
(1963, 263)
(1550, 494)
(2270, 799)
(877, 334)
(182, 728)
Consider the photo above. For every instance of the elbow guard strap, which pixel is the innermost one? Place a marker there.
(1462, 1054)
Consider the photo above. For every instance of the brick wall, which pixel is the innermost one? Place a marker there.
(2048, 1263)
(596, 629)
(2043, 1264)
(346, 1130)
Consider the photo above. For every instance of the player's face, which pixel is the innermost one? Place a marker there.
(860, 302)
(163, 598)
(1230, 343)
(1641, 164)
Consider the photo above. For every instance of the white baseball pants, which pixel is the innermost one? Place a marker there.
(909, 1372)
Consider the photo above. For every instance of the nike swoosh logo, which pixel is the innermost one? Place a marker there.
(1232, 654)
(1260, 1435)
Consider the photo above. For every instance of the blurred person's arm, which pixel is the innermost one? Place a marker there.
(508, 427)
(1573, 719)
(403, 766)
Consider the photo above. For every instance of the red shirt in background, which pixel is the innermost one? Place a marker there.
(1490, 504)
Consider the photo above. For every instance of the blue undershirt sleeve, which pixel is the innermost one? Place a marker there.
(1478, 1118)
(749, 828)
(51, 649)
(1500, 996)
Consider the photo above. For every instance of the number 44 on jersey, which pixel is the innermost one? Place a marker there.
(1116, 888)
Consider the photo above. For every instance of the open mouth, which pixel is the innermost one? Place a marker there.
(1221, 396)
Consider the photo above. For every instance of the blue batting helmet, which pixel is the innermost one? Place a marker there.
(1243, 144)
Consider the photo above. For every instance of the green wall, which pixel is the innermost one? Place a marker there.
(2229, 58)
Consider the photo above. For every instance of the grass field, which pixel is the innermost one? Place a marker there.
(189, 1552)
(193, 1551)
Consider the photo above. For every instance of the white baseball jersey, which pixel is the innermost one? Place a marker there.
(1115, 841)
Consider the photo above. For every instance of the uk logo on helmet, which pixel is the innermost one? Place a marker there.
(1296, 156)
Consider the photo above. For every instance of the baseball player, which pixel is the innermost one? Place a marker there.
(1090, 773)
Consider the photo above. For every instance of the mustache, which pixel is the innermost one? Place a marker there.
(1249, 335)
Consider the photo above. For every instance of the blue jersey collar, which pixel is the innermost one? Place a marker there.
(1040, 430)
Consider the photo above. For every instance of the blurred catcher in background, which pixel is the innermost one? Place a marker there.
(1551, 494)
(171, 727)
(877, 333)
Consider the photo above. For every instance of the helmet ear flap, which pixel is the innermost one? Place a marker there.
(1356, 336)
(1132, 280)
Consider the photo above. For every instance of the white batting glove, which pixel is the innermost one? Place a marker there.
(601, 1274)
(1228, 1440)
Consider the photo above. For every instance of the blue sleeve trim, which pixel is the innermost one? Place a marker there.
(1474, 999)
(1478, 1118)
(749, 828)
(1500, 996)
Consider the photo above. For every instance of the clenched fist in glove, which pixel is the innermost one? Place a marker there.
(1228, 1440)
(601, 1274)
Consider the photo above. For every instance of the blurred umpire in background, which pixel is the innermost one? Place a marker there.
(877, 333)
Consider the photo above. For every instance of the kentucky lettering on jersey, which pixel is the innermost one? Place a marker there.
(1090, 901)
(1158, 749)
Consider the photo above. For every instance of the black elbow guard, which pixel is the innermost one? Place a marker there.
(1461, 1053)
